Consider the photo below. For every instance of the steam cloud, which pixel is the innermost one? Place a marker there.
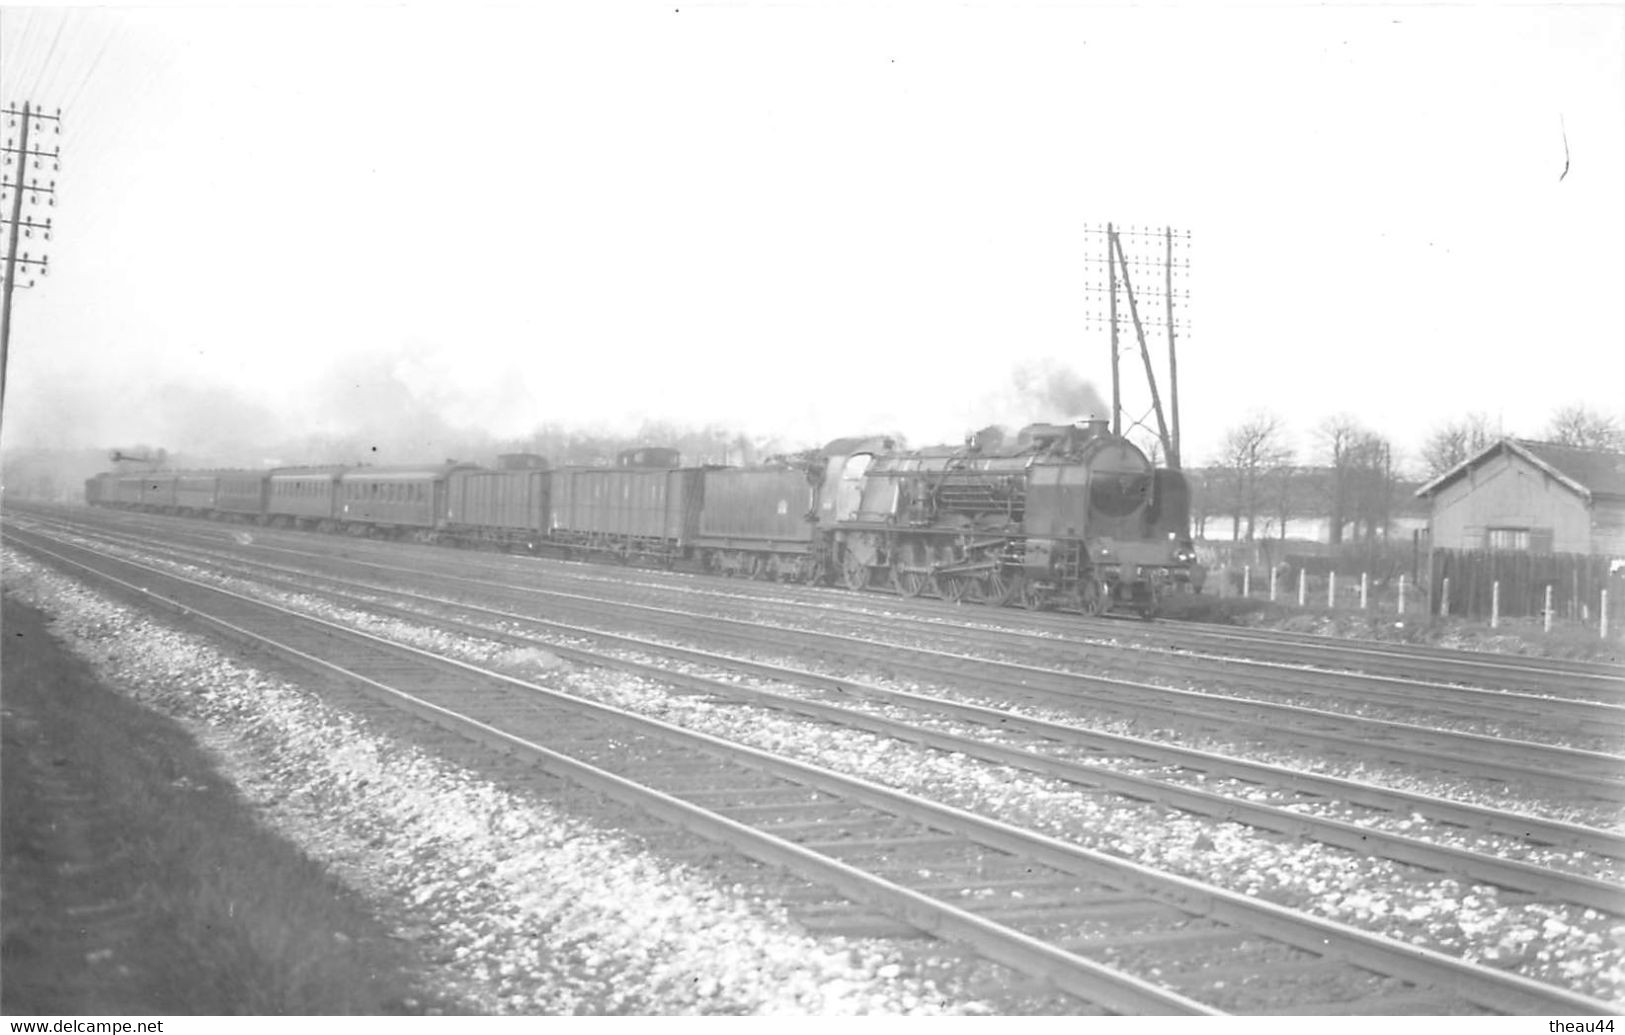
(1058, 393)
(1042, 391)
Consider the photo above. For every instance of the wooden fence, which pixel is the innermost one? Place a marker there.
(1481, 584)
(1482, 581)
(1382, 560)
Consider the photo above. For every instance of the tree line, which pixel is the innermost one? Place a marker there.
(1258, 480)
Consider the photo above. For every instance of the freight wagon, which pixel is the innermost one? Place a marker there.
(626, 512)
(157, 491)
(507, 507)
(241, 494)
(195, 493)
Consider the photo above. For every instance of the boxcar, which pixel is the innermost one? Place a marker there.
(195, 493)
(158, 491)
(397, 497)
(626, 511)
(758, 521)
(508, 506)
(301, 495)
(125, 490)
(241, 494)
(99, 489)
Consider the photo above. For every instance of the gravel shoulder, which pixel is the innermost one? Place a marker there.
(137, 881)
(512, 905)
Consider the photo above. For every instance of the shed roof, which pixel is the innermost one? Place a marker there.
(1587, 472)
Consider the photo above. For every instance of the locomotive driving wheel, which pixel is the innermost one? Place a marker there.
(909, 583)
(1094, 596)
(910, 569)
(998, 588)
(854, 571)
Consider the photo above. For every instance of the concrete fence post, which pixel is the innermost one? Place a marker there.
(1363, 598)
(1401, 592)
(1603, 614)
(1444, 599)
(1247, 581)
(1331, 590)
(1495, 604)
(1548, 607)
(1302, 586)
(1272, 583)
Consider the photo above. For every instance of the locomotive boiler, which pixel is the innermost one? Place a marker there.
(1071, 516)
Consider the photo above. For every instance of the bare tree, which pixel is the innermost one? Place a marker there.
(1455, 441)
(1578, 426)
(1337, 436)
(1251, 450)
(1369, 476)
(1281, 488)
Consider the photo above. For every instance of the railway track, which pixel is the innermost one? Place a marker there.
(1049, 748)
(1037, 752)
(755, 638)
(1561, 770)
(1411, 664)
(1046, 907)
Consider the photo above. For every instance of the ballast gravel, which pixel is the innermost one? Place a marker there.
(1567, 946)
(528, 910)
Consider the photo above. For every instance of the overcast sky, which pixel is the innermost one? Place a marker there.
(813, 220)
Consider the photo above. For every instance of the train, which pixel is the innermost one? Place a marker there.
(1067, 516)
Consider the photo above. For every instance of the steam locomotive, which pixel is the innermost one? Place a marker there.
(1068, 516)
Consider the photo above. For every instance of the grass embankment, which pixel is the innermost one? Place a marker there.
(135, 878)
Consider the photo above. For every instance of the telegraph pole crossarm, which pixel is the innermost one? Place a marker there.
(15, 226)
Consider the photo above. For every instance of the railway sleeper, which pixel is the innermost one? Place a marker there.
(1388, 1004)
(885, 844)
(1193, 938)
(858, 925)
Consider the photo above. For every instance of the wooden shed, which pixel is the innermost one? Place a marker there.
(1530, 497)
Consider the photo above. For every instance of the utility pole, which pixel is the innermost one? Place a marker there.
(1117, 381)
(17, 184)
(1112, 276)
(1173, 359)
